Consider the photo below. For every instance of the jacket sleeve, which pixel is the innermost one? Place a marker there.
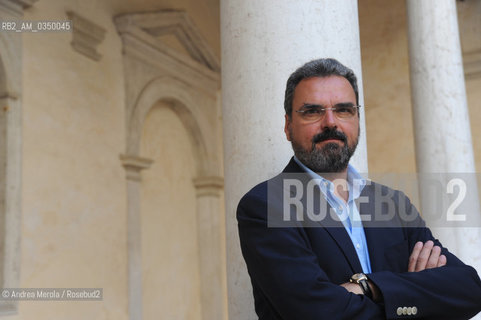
(449, 292)
(286, 275)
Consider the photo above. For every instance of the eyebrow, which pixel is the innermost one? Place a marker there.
(340, 104)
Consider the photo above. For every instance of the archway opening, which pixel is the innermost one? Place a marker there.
(170, 260)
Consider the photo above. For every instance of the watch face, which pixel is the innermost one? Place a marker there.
(359, 277)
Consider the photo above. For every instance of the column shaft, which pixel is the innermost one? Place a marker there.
(440, 111)
(443, 135)
(263, 41)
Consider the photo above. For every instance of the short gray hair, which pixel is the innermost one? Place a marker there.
(317, 68)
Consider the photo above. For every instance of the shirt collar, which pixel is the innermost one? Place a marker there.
(355, 181)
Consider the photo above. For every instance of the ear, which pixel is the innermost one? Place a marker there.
(287, 125)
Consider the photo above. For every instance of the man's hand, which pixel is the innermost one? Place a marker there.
(426, 256)
(356, 288)
(352, 287)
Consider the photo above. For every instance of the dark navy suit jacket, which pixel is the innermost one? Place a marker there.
(296, 270)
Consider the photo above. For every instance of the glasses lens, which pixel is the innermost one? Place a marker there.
(345, 112)
(312, 114)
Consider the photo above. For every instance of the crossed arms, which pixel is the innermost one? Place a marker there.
(424, 256)
(298, 273)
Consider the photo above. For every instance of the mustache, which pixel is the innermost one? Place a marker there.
(329, 134)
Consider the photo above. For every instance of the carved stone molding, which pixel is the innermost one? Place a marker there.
(133, 165)
(142, 46)
(168, 22)
(9, 95)
(86, 36)
(472, 64)
(209, 186)
(15, 8)
(142, 33)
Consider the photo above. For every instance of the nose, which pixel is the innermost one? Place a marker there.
(329, 120)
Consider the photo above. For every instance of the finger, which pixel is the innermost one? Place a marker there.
(442, 260)
(433, 258)
(413, 258)
(424, 256)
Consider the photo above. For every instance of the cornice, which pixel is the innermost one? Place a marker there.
(177, 23)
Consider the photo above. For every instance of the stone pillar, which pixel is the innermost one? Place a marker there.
(11, 91)
(440, 111)
(133, 165)
(212, 272)
(263, 42)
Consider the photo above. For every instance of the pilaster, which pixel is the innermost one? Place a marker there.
(14, 8)
(212, 267)
(11, 150)
(133, 166)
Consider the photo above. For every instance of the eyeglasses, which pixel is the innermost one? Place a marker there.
(314, 112)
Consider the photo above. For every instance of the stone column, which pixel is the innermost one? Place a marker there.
(440, 111)
(263, 42)
(133, 165)
(212, 272)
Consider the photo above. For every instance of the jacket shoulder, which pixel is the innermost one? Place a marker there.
(255, 200)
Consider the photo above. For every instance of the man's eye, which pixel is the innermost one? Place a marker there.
(311, 111)
(347, 110)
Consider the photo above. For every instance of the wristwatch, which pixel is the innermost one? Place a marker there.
(361, 279)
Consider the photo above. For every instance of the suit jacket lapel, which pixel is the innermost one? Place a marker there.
(344, 242)
(374, 233)
(333, 227)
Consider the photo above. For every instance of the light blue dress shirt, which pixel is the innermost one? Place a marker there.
(347, 211)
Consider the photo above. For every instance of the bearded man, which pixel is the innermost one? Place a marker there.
(346, 264)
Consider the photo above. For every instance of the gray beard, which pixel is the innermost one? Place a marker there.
(330, 158)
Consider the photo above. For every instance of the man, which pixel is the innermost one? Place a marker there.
(325, 254)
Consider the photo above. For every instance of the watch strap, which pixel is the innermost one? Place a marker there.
(365, 288)
(362, 280)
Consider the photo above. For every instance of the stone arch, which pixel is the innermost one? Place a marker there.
(175, 92)
(168, 218)
(182, 99)
(154, 72)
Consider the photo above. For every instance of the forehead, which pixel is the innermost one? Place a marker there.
(325, 91)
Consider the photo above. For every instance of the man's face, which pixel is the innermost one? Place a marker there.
(325, 145)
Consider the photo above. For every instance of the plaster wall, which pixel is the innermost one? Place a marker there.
(73, 197)
(386, 86)
(469, 17)
(74, 226)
